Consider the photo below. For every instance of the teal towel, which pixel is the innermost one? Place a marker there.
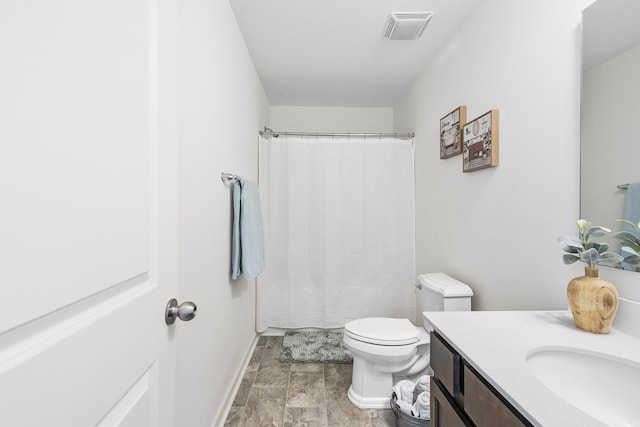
(235, 233)
(632, 206)
(247, 236)
(631, 214)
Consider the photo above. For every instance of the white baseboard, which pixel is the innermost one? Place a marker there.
(233, 389)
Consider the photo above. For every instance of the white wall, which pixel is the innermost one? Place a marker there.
(221, 106)
(496, 228)
(331, 119)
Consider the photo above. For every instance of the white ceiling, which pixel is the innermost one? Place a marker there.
(332, 53)
(607, 32)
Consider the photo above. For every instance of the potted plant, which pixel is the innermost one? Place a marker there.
(630, 243)
(593, 301)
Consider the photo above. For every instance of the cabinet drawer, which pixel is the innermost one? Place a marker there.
(446, 364)
(484, 406)
(444, 411)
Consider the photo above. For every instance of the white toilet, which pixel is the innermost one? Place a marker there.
(386, 350)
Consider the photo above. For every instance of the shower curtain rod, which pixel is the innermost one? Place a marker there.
(269, 132)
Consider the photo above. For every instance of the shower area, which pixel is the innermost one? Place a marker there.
(338, 213)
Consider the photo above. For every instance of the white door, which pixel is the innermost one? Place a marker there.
(87, 229)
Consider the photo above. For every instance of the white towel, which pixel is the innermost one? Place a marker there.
(423, 384)
(404, 390)
(405, 407)
(422, 407)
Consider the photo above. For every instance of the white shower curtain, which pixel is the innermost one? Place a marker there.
(339, 230)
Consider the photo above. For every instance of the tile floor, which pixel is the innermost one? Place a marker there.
(298, 394)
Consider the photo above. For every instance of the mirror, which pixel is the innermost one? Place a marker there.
(610, 141)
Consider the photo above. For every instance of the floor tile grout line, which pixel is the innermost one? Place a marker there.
(326, 407)
(286, 397)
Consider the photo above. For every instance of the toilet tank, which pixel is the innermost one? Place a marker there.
(441, 292)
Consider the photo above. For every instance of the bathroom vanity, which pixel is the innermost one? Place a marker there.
(462, 397)
(530, 368)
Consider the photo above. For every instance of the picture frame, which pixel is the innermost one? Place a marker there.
(480, 142)
(451, 132)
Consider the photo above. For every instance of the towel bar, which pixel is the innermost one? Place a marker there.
(227, 177)
(623, 186)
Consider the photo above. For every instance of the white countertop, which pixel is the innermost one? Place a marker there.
(496, 344)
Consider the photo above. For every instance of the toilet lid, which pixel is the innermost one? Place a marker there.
(383, 331)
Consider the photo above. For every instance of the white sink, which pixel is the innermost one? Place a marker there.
(603, 386)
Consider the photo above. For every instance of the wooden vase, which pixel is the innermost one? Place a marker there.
(593, 302)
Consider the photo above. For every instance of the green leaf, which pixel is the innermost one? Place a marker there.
(569, 259)
(572, 249)
(627, 237)
(595, 231)
(570, 244)
(637, 227)
(632, 256)
(591, 257)
(565, 240)
(632, 259)
(600, 247)
(611, 258)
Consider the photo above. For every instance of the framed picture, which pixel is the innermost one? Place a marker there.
(450, 132)
(480, 142)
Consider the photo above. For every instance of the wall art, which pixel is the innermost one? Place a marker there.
(480, 142)
(451, 131)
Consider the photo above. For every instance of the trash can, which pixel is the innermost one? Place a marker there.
(406, 420)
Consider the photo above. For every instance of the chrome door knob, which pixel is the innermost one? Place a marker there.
(185, 311)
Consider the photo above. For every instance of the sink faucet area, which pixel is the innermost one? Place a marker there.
(598, 384)
(552, 373)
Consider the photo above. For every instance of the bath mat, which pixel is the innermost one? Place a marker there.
(314, 346)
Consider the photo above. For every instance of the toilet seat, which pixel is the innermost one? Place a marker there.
(383, 331)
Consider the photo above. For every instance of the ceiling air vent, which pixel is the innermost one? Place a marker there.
(406, 25)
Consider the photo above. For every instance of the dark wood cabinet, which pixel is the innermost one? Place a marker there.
(460, 396)
(448, 363)
(444, 411)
